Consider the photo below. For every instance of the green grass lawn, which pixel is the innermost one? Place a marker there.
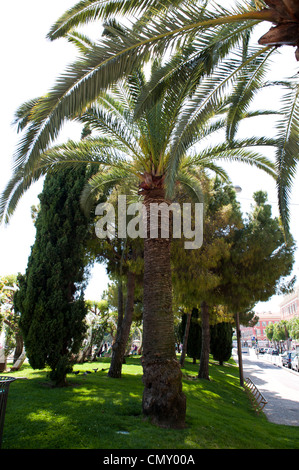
(97, 412)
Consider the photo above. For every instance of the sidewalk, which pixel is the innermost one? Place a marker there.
(279, 386)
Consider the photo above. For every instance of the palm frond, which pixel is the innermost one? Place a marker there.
(94, 10)
(248, 85)
(22, 114)
(103, 182)
(14, 190)
(191, 185)
(115, 57)
(92, 152)
(109, 121)
(198, 58)
(103, 65)
(287, 154)
(81, 41)
(238, 151)
(196, 164)
(208, 98)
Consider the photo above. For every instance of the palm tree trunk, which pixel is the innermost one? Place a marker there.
(163, 400)
(205, 345)
(123, 329)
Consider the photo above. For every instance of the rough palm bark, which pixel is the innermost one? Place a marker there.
(203, 372)
(285, 15)
(123, 330)
(163, 400)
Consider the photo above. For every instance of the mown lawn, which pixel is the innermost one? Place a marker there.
(97, 412)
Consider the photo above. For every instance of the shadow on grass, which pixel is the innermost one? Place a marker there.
(98, 412)
(94, 411)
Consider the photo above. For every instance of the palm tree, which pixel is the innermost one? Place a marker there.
(159, 151)
(284, 14)
(164, 24)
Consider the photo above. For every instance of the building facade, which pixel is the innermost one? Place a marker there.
(289, 307)
(265, 318)
(258, 332)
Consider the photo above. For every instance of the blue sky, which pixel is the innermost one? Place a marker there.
(30, 63)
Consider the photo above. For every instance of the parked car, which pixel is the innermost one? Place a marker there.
(295, 362)
(287, 358)
(274, 352)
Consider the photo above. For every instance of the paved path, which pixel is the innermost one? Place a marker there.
(280, 387)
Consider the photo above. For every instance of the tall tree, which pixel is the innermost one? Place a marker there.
(155, 149)
(50, 298)
(121, 257)
(293, 328)
(209, 31)
(103, 63)
(221, 341)
(8, 315)
(191, 335)
(260, 260)
(196, 276)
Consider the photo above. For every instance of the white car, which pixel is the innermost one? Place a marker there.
(295, 363)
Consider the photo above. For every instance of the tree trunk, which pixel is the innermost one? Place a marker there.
(19, 339)
(83, 354)
(239, 347)
(205, 345)
(119, 346)
(185, 341)
(163, 400)
(19, 362)
(19, 347)
(120, 305)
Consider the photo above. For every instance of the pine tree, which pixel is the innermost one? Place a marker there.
(196, 276)
(260, 258)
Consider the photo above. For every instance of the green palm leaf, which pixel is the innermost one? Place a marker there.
(93, 10)
(104, 182)
(102, 65)
(287, 153)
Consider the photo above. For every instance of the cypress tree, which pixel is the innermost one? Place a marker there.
(50, 298)
(194, 337)
(221, 341)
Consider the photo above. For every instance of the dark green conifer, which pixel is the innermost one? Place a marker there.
(221, 341)
(50, 298)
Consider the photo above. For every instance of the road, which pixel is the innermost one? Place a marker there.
(280, 387)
